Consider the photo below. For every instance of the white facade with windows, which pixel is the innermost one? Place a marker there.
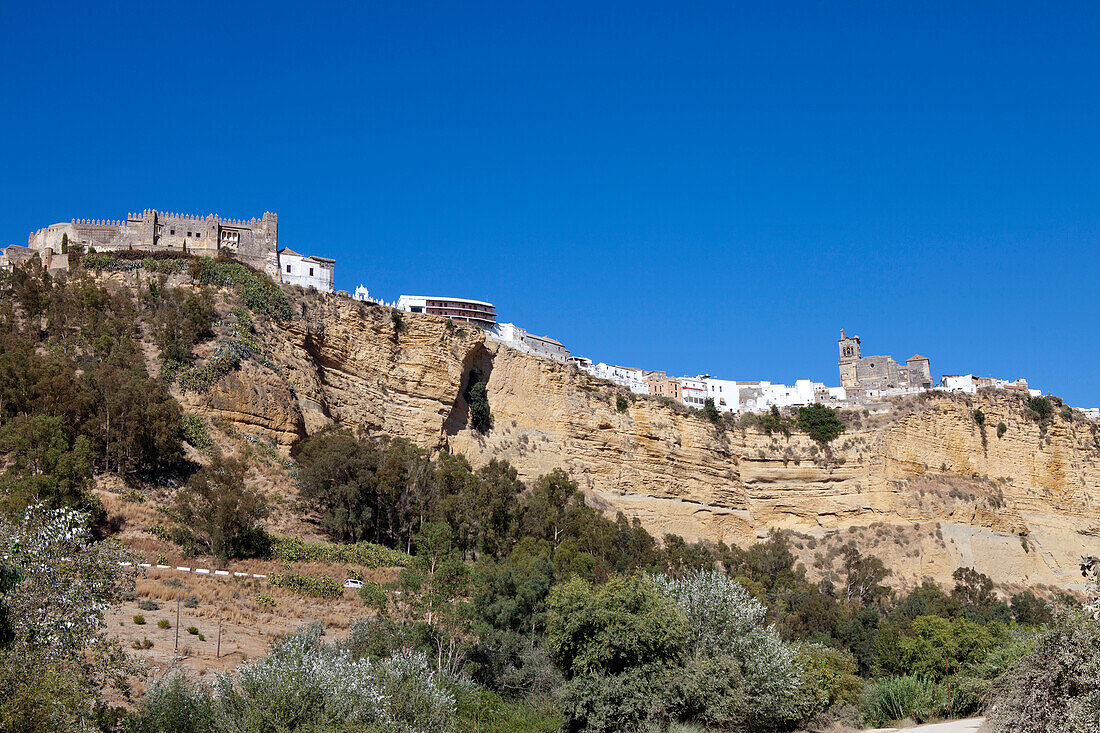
(629, 377)
(314, 272)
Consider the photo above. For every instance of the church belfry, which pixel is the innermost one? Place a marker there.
(849, 346)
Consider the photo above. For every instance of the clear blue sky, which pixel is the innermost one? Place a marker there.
(697, 187)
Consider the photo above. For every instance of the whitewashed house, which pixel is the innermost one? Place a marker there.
(314, 272)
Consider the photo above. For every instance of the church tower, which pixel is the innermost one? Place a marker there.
(849, 358)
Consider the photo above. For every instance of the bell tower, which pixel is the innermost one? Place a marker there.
(849, 358)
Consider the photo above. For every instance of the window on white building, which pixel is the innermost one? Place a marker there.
(288, 268)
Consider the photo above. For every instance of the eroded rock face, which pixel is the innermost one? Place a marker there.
(354, 363)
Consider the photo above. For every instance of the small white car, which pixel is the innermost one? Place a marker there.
(353, 583)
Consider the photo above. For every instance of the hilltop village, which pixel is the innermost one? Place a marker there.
(255, 242)
(864, 380)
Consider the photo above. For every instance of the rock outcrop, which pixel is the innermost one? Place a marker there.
(1020, 506)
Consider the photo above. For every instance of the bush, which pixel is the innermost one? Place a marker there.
(193, 630)
(1001, 429)
(1057, 686)
(897, 698)
(979, 416)
(256, 289)
(146, 605)
(1040, 408)
(710, 411)
(820, 422)
(302, 684)
(139, 620)
(481, 417)
(191, 602)
(620, 403)
(367, 554)
(373, 595)
(195, 433)
(316, 586)
(163, 624)
(265, 602)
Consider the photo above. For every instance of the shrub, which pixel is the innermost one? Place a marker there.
(897, 698)
(1057, 686)
(310, 585)
(1066, 413)
(139, 619)
(979, 416)
(710, 411)
(820, 422)
(265, 602)
(146, 605)
(163, 624)
(259, 293)
(1040, 408)
(191, 602)
(1001, 429)
(367, 554)
(195, 433)
(481, 417)
(193, 630)
(373, 595)
(303, 684)
(620, 403)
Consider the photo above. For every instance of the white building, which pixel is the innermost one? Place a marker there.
(629, 377)
(1092, 413)
(970, 384)
(314, 272)
(695, 391)
(519, 339)
(459, 309)
(738, 396)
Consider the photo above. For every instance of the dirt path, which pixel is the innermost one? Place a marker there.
(951, 726)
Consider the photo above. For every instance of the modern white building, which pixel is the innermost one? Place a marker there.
(459, 309)
(314, 272)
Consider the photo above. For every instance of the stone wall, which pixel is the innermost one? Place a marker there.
(253, 241)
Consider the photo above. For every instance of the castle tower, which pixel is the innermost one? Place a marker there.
(849, 358)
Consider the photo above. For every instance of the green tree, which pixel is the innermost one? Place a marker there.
(546, 508)
(44, 467)
(821, 423)
(627, 622)
(710, 411)
(481, 417)
(434, 586)
(219, 514)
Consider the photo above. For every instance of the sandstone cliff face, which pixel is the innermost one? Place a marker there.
(1021, 507)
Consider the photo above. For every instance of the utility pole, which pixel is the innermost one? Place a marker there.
(177, 622)
(219, 653)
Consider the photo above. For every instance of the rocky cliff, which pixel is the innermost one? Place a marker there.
(1020, 506)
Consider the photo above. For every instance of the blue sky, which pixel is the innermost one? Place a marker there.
(697, 187)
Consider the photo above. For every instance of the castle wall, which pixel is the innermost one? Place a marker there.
(252, 241)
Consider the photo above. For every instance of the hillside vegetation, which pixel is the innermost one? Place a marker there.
(152, 411)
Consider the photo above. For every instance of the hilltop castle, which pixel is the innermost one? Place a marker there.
(254, 242)
(880, 373)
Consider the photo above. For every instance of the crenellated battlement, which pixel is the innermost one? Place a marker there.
(253, 241)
